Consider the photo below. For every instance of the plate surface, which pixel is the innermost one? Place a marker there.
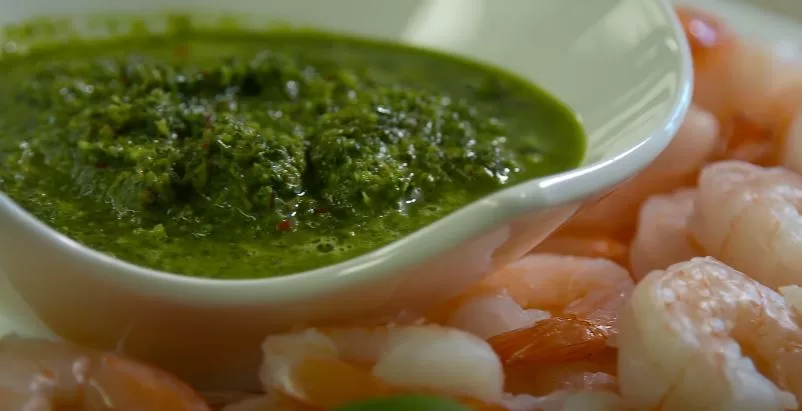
(769, 20)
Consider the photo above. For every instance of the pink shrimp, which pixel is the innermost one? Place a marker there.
(47, 375)
(551, 319)
(534, 288)
(703, 336)
(754, 93)
(748, 217)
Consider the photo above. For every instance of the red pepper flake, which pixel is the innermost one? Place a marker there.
(284, 225)
(321, 210)
(205, 146)
(101, 165)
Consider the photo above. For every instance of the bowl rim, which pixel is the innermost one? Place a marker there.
(544, 192)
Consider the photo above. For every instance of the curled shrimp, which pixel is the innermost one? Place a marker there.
(703, 336)
(748, 217)
(590, 289)
(754, 92)
(662, 238)
(551, 320)
(581, 291)
(46, 375)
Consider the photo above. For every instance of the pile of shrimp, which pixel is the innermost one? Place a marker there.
(679, 291)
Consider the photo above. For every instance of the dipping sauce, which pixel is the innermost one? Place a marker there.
(254, 155)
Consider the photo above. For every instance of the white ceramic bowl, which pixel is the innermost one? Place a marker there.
(623, 65)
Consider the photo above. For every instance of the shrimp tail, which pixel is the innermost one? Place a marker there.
(554, 340)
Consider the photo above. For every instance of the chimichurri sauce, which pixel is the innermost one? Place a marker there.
(245, 156)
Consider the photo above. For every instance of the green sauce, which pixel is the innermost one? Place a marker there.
(251, 155)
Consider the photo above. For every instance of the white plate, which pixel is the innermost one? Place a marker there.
(768, 20)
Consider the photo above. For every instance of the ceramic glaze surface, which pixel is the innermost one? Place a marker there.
(621, 64)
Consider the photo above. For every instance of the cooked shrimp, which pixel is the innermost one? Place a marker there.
(555, 357)
(748, 217)
(591, 289)
(677, 166)
(376, 362)
(530, 290)
(754, 92)
(513, 307)
(703, 336)
(662, 236)
(373, 362)
(46, 375)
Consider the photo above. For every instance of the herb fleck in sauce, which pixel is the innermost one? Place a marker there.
(242, 156)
